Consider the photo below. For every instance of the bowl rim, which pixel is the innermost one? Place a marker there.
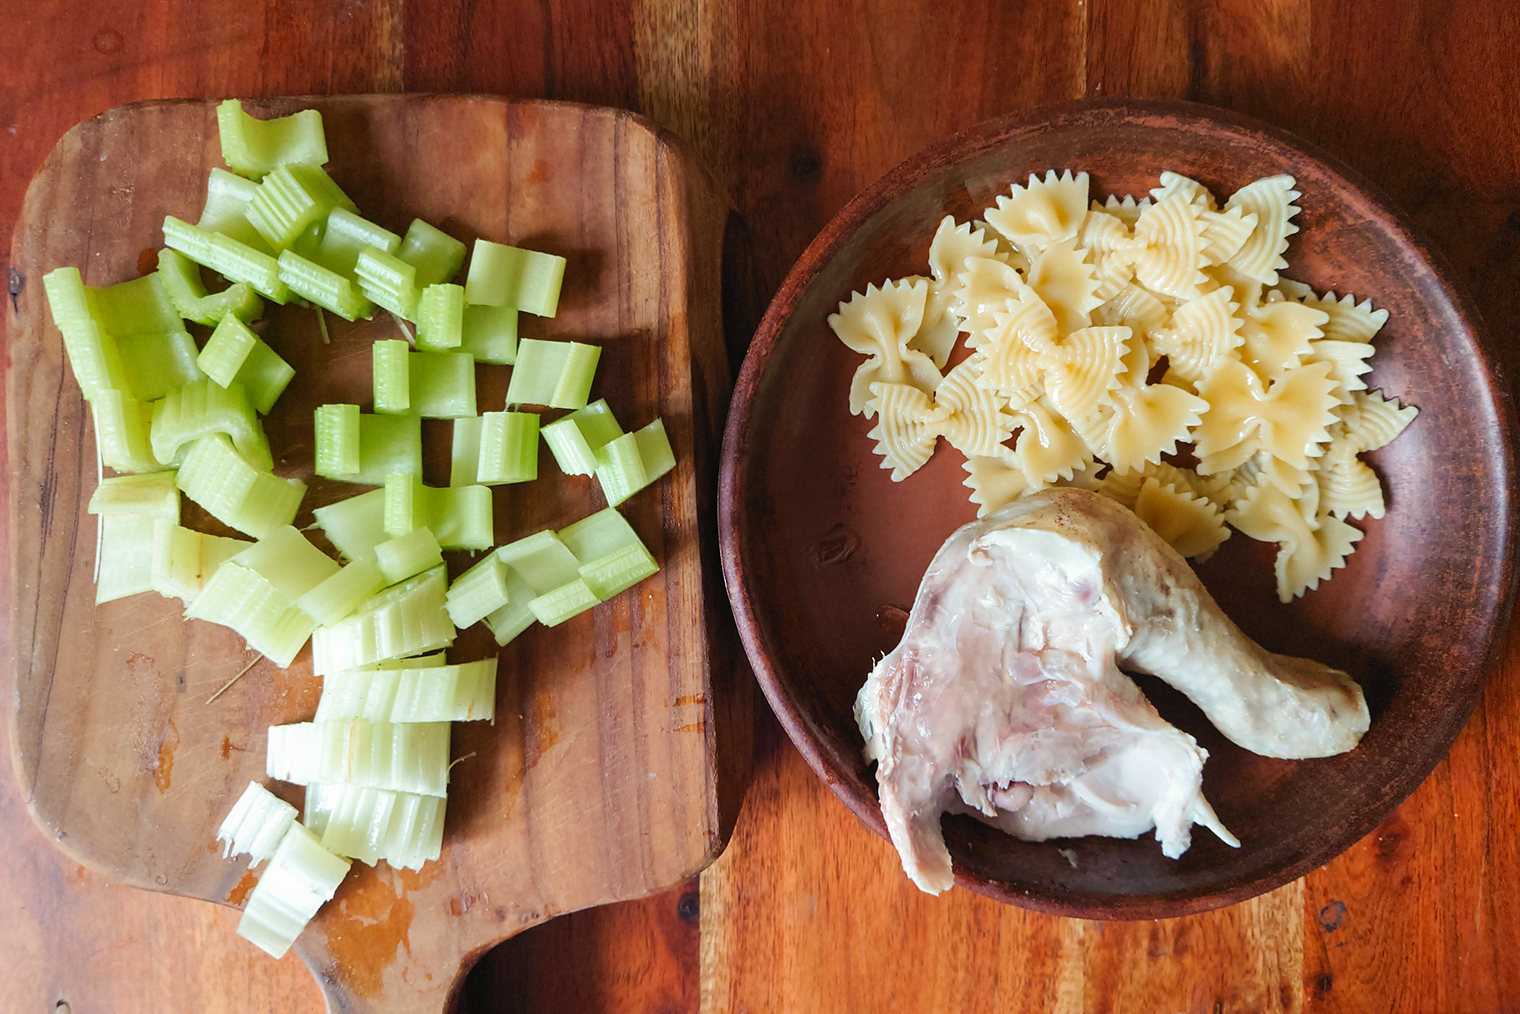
(740, 428)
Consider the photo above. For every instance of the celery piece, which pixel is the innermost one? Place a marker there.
(249, 603)
(508, 448)
(184, 560)
(387, 443)
(464, 458)
(140, 306)
(389, 281)
(335, 430)
(406, 504)
(619, 570)
(182, 279)
(300, 878)
(392, 376)
(503, 275)
(634, 460)
(234, 353)
(557, 374)
(574, 439)
(440, 318)
(225, 211)
(355, 525)
(596, 535)
(288, 561)
(126, 556)
(259, 819)
(449, 693)
(407, 619)
(325, 288)
(442, 384)
(196, 410)
(345, 236)
(398, 756)
(435, 254)
(341, 594)
(290, 200)
(460, 516)
(489, 333)
(253, 501)
(255, 147)
(92, 353)
(409, 554)
(571, 599)
(517, 615)
(403, 828)
(654, 449)
(122, 425)
(478, 592)
(155, 364)
(238, 261)
(151, 493)
(542, 560)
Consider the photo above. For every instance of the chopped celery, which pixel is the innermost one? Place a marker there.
(517, 615)
(442, 384)
(122, 425)
(126, 556)
(249, 603)
(225, 211)
(387, 443)
(238, 261)
(654, 449)
(508, 448)
(291, 199)
(435, 254)
(464, 458)
(399, 756)
(322, 286)
(254, 147)
(342, 593)
(93, 355)
(151, 493)
(557, 606)
(140, 306)
(406, 504)
(448, 693)
(489, 333)
(392, 376)
(619, 570)
(575, 438)
(440, 318)
(345, 236)
(557, 374)
(182, 280)
(155, 364)
(259, 819)
(596, 535)
(184, 560)
(235, 353)
(503, 275)
(632, 461)
(288, 561)
(461, 517)
(356, 525)
(478, 592)
(301, 876)
(403, 828)
(188, 413)
(407, 555)
(389, 281)
(542, 560)
(408, 619)
(253, 501)
(336, 435)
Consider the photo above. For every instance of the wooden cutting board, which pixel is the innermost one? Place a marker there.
(616, 761)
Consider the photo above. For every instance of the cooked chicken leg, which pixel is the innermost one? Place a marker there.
(1006, 691)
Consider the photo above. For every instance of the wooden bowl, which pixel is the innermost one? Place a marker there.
(820, 548)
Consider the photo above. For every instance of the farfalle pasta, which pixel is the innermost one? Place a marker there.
(1145, 348)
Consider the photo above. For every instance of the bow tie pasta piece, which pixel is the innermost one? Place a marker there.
(1065, 282)
(1135, 309)
(995, 481)
(1224, 233)
(1081, 370)
(953, 244)
(1169, 259)
(1277, 336)
(1289, 420)
(1013, 363)
(1371, 421)
(1148, 422)
(1202, 335)
(1048, 449)
(906, 426)
(984, 288)
(1308, 551)
(1042, 213)
(1190, 190)
(1128, 210)
(976, 421)
(941, 328)
(1191, 524)
(1349, 321)
(1271, 201)
(1348, 487)
(1107, 243)
(1348, 364)
(878, 324)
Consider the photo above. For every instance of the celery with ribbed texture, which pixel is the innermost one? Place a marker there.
(557, 374)
(555, 607)
(355, 525)
(259, 819)
(440, 318)
(435, 254)
(403, 828)
(406, 504)
(324, 287)
(478, 592)
(508, 448)
(407, 619)
(389, 281)
(341, 594)
(502, 275)
(517, 615)
(542, 559)
(93, 355)
(184, 560)
(225, 211)
(391, 373)
(126, 556)
(253, 501)
(248, 602)
(345, 237)
(237, 261)
(255, 147)
(387, 443)
(301, 876)
(122, 426)
(403, 556)
(447, 693)
(632, 461)
(574, 439)
(290, 200)
(182, 280)
(234, 353)
(335, 432)
(289, 561)
(188, 413)
(149, 493)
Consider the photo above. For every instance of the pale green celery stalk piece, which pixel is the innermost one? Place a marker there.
(301, 877)
(464, 458)
(184, 560)
(340, 595)
(327, 289)
(402, 828)
(557, 606)
(596, 535)
(259, 819)
(151, 493)
(335, 429)
(409, 554)
(140, 306)
(237, 261)
(240, 496)
(435, 254)
(517, 615)
(442, 384)
(123, 426)
(255, 147)
(126, 556)
(92, 353)
(234, 354)
(201, 408)
(355, 525)
(406, 505)
(440, 318)
(478, 592)
(654, 450)
(508, 448)
(290, 200)
(407, 619)
(620, 470)
(489, 333)
(155, 364)
(542, 560)
(249, 603)
(392, 376)
(387, 444)
(225, 211)
(182, 279)
(346, 236)
(450, 693)
(557, 374)
(288, 561)
(389, 281)
(503, 275)
(575, 438)
(397, 756)
(619, 570)
(126, 337)
(460, 516)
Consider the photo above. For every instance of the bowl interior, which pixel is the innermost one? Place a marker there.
(822, 548)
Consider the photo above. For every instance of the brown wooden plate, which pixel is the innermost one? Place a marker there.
(819, 545)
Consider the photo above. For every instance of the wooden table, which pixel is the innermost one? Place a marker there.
(796, 106)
